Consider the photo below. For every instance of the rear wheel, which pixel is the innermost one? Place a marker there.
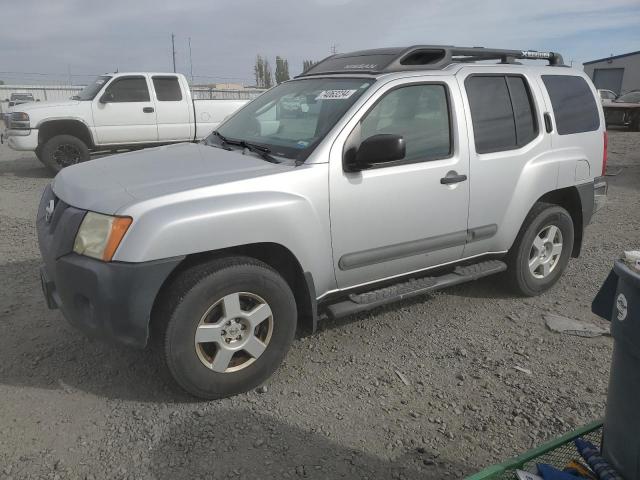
(226, 326)
(542, 249)
(62, 151)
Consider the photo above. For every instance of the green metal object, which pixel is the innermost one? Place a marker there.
(557, 452)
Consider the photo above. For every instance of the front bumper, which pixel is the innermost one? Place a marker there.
(22, 140)
(106, 300)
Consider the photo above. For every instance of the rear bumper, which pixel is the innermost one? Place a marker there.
(109, 301)
(22, 140)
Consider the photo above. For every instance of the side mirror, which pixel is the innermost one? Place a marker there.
(106, 97)
(381, 148)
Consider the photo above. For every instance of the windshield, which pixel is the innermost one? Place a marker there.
(90, 91)
(292, 118)
(631, 97)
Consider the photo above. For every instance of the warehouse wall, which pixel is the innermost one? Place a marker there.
(631, 65)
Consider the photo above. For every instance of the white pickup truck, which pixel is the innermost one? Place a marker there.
(116, 111)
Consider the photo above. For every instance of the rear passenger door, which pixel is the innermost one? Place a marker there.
(172, 109)
(125, 112)
(507, 143)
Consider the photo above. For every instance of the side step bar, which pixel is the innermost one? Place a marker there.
(362, 302)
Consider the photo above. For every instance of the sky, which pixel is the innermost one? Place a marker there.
(52, 41)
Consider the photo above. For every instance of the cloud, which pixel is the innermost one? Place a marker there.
(90, 37)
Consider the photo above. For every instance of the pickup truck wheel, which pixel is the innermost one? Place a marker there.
(63, 150)
(228, 325)
(541, 251)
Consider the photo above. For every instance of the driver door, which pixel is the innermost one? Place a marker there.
(125, 113)
(396, 218)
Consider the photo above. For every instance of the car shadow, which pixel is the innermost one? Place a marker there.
(25, 167)
(248, 444)
(39, 349)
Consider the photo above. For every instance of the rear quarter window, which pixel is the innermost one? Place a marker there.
(574, 106)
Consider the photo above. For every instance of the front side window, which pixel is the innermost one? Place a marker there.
(292, 118)
(90, 91)
(502, 112)
(418, 113)
(128, 89)
(574, 106)
(167, 89)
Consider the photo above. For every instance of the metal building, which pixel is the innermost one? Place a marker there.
(620, 73)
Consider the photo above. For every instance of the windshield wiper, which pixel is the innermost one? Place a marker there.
(260, 150)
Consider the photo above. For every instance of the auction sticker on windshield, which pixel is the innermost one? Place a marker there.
(335, 94)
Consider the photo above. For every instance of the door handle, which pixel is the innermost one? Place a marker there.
(547, 123)
(147, 109)
(452, 177)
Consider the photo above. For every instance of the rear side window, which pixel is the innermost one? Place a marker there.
(574, 107)
(128, 89)
(502, 112)
(167, 89)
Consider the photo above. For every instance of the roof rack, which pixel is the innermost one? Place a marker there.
(421, 57)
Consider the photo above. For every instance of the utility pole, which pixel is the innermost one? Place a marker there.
(190, 62)
(334, 49)
(173, 51)
(69, 73)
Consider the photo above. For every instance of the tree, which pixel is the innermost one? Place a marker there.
(267, 76)
(262, 73)
(258, 71)
(307, 64)
(282, 70)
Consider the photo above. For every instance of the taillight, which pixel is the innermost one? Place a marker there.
(604, 154)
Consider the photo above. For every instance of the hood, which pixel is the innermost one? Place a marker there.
(108, 184)
(33, 106)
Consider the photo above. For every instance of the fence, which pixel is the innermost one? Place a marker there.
(55, 92)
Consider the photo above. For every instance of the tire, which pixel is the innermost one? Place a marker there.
(548, 226)
(197, 305)
(62, 151)
(634, 125)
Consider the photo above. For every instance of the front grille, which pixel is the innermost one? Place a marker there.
(57, 226)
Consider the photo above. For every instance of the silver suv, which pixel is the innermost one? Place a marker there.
(372, 177)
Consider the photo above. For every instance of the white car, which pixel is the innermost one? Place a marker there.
(116, 111)
(607, 96)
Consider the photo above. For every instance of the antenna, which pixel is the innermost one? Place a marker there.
(173, 51)
(190, 62)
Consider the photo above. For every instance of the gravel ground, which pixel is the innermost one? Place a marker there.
(337, 408)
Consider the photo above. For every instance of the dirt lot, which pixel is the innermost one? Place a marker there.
(72, 408)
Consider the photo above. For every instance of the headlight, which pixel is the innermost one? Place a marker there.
(19, 121)
(99, 235)
(20, 116)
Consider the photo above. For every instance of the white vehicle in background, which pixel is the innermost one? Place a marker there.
(116, 111)
(607, 96)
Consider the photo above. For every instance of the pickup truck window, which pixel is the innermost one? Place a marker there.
(292, 118)
(128, 89)
(631, 97)
(420, 114)
(90, 91)
(167, 89)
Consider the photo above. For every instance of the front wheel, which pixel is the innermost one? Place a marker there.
(541, 251)
(226, 326)
(62, 151)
